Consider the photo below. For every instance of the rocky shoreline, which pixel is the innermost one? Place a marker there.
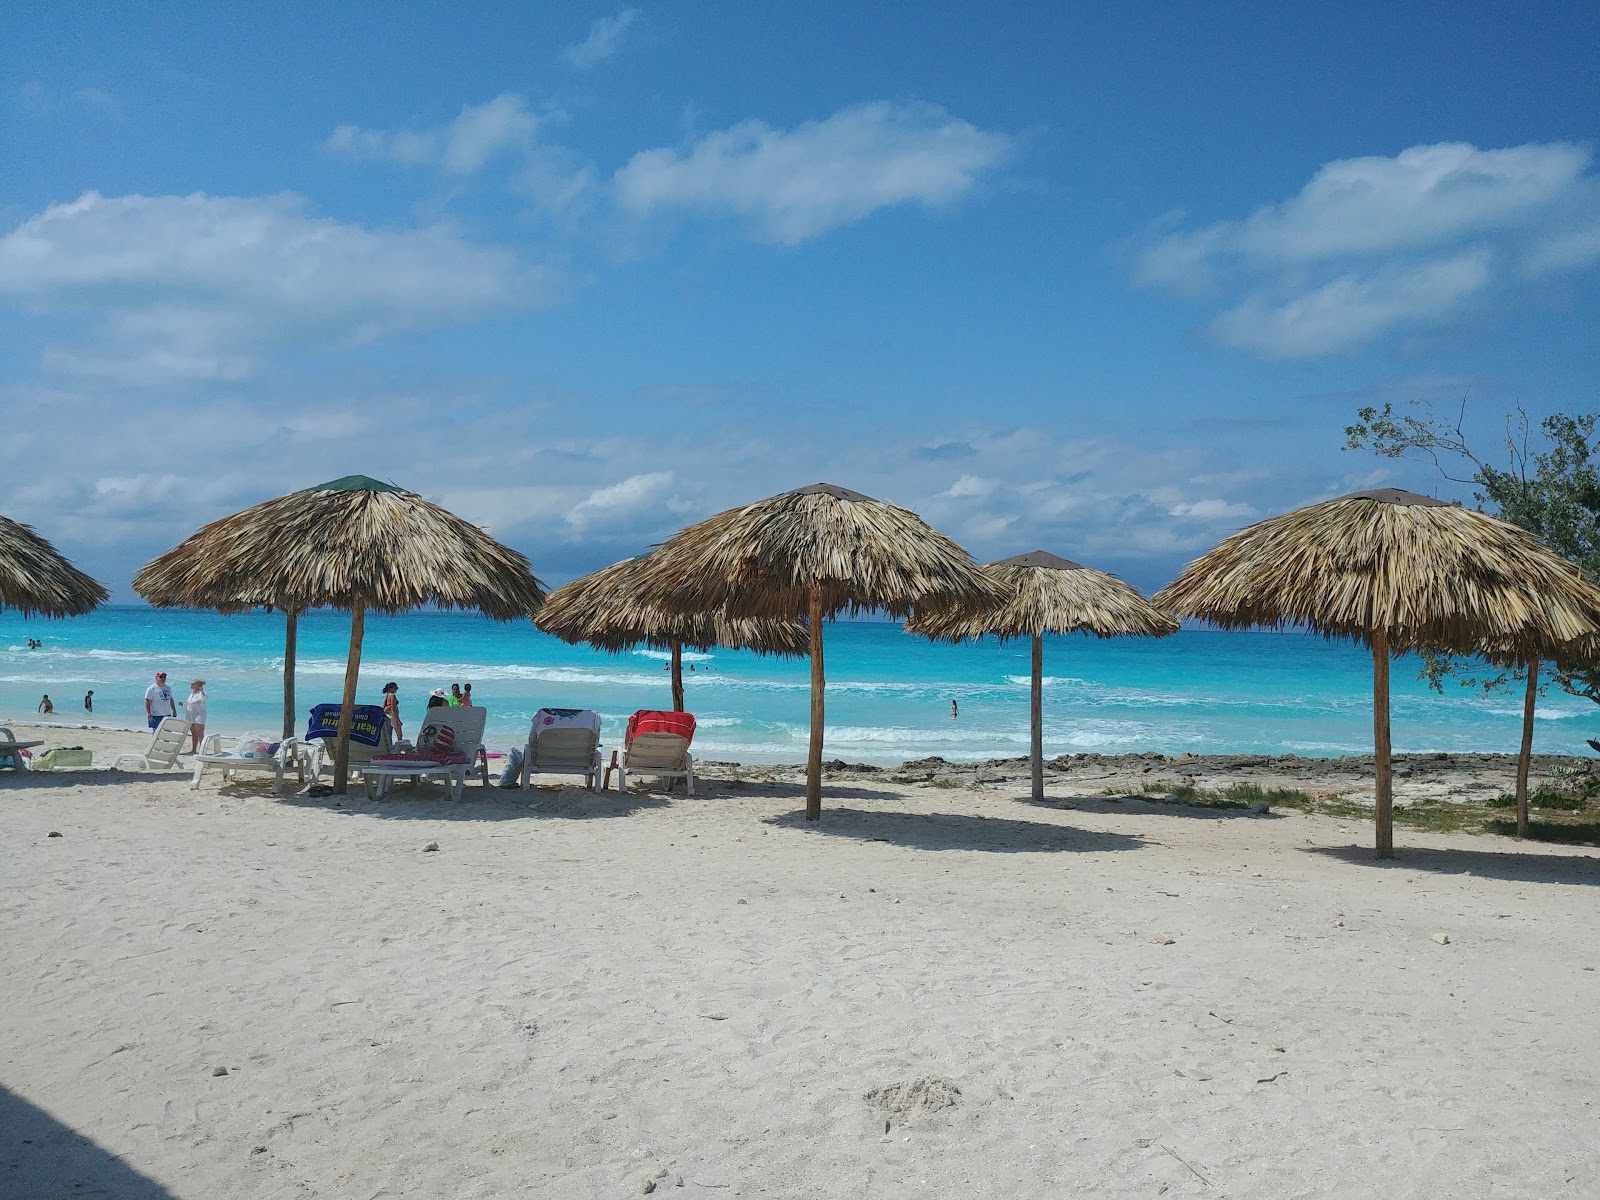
(1428, 776)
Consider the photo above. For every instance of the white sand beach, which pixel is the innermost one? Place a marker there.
(941, 989)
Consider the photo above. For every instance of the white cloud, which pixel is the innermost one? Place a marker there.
(1211, 510)
(462, 148)
(1353, 309)
(793, 185)
(194, 287)
(602, 41)
(609, 505)
(1374, 245)
(970, 485)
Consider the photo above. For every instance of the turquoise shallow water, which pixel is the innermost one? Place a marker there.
(888, 693)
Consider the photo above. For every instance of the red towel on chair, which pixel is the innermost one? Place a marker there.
(649, 720)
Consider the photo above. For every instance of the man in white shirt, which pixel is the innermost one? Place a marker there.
(158, 702)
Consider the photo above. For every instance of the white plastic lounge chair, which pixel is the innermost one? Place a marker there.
(11, 750)
(657, 743)
(223, 753)
(563, 741)
(465, 739)
(170, 737)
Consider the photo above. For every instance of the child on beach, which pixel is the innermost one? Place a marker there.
(45, 706)
(391, 709)
(194, 711)
(466, 695)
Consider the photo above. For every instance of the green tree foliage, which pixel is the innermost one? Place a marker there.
(1549, 485)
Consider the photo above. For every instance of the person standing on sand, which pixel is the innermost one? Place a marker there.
(45, 706)
(194, 708)
(391, 709)
(158, 702)
(88, 700)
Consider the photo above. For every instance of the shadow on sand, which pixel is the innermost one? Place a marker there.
(43, 781)
(955, 831)
(433, 803)
(1139, 805)
(39, 1156)
(1514, 866)
(778, 789)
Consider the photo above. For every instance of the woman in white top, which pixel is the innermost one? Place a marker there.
(194, 710)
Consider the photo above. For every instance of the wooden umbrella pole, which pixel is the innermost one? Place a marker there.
(677, 675)
(1525, 755)
(1380, 743)
(347, 710)
(290, 636)
(814, 759)
(1036, 747)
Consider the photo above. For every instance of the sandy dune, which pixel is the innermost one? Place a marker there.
(605, 997)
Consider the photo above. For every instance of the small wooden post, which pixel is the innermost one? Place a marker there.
(677, 675)
(347, 713)
(1380, 743)
(1525, 755)
(1036, 747)
(290, 637)
(814, 759)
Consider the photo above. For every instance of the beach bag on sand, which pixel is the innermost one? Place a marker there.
(64, 756)
(512, 776)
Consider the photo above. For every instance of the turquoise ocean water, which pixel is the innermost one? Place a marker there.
(889, 693)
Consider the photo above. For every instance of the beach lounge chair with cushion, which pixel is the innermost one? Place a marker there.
(447, 745)
(563, 741)
(369, 734)
(170, 737)
(657, 743)
(232, 756)
(12, 752)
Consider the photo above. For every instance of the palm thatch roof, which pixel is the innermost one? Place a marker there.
(854, 553)
(609, 609)
(1423, 572)
(1398, 572)
(352, 540)
(1047, 594)
(35, 578)
(354, 544)
(811, 554)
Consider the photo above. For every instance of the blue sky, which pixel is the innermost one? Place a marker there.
(1108, 282)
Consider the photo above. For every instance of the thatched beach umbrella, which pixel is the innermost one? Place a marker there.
(1395, 571)
(609, 610)
(1046, 594)
(811, 554)
(353, 544)
(34, 578)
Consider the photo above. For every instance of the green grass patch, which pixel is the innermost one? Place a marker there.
(1568, 819)
(1547, 799)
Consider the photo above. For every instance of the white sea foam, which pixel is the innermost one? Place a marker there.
(694, 656)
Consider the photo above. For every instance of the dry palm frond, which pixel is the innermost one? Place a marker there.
(351, 541)
(1047, 594)
(34, 578)
(765, 559)
(1421, 572)
(609, 609)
